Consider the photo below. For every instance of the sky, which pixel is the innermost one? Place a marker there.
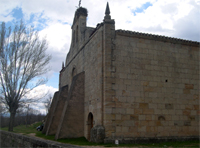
(53, 19)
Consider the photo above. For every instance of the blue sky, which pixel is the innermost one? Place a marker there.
(53, 19)
(142, 8)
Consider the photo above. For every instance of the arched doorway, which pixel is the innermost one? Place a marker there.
(90, 124)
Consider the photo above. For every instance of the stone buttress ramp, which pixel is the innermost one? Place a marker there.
(72, 121)
(62, 97)
(50, 113)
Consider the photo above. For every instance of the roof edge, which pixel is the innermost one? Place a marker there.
(157, 37)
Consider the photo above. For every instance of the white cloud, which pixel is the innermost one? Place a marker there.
(58, 36)
(40, 94)
(6, 8)
(36, 93)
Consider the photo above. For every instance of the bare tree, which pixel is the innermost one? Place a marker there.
(47, 103)
(22, 61)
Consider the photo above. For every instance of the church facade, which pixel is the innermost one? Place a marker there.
(124, 85)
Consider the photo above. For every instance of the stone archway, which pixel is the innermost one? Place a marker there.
(90, 124)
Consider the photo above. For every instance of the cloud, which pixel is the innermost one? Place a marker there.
(40, 94)
(58, 36)
(36, 93)
(6, 8)
(188, 27)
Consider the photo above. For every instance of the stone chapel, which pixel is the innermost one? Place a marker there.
(125, 85)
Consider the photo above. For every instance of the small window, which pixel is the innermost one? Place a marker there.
(77, 34)
(73, 72)
(73, 38)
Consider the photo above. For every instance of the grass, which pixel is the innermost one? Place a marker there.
(23, 129)
(83, 142)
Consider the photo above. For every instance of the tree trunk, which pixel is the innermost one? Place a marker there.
(11, 121)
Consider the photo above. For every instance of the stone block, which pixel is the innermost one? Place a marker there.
(152, 105)
(168, 106)
(118, 129)
(158, 123)
(151, 123)
(148, 117)
(165, 112)
(133, 129)
(130, 111)
(134, 117)
(129, 123)
(189, 86)
(145, 83)
(118, 117)
(97, 134)
(157, 111)
(153, 84)
(149, 89)
(144, 123)
(148, 111)
(142, 129)
(187, 123)
(153, 95)
(125, 129)
(141, 117)
(125, 117)
(186, 112)
(138, 111)
(143, 105)
(186, 91)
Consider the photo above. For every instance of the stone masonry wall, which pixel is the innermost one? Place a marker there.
(157, 88)
(56, 114)
(71, 123)
(9, 139)
(89, 60)
(51, 112)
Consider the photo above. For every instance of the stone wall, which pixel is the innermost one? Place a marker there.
(56, 114)
(156, 87)
(71, 123)
(135, 85)
(51, 113)
(89, 60)
(9, 139)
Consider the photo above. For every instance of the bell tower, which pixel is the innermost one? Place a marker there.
(79, 27)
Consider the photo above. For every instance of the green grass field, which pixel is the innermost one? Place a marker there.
(23, 129)
(83, 142)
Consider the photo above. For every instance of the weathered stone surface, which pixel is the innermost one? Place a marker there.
(51, 112)
(72, 120)
(9, 139)
(54, 122)
(131, 80)
(97, 134)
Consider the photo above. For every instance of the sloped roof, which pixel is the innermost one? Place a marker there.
(157, 37)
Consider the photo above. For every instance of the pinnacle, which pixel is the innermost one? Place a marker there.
(107, 9)
(63, 65)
